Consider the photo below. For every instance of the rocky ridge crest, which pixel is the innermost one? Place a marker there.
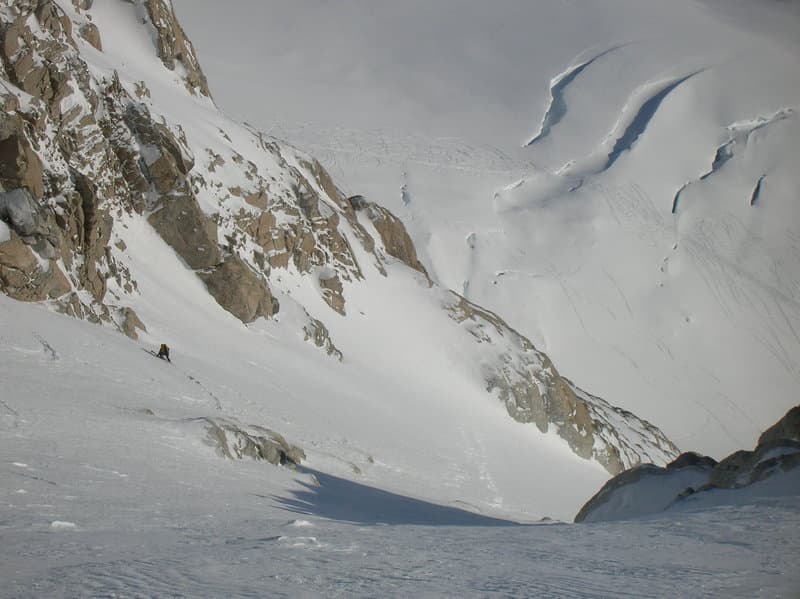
(777, 452)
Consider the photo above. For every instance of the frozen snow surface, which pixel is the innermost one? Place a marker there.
(108, 488)
(616, 178)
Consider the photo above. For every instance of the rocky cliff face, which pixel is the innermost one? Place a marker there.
(533, 391)
(55, 162)
(86, 150)
(79, 150)
(235, 442)
(174, 48)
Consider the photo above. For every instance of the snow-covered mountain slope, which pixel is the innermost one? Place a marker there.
(647, 240)
(130, 200)
(110, 485)
(303, 328)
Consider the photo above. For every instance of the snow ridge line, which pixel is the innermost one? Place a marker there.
(644, 114)
(634, 118)
(557, 106)
(738, 137)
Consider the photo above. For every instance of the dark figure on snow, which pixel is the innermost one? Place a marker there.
(163, 352)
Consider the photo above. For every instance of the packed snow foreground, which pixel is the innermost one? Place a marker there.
(111, 486)
(323, 382)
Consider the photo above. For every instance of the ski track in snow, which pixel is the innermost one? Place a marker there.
(217, 401)
(557, 106)
(333, 145)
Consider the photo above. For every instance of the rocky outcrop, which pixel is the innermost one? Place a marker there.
(236, 442)
(19, 210)
(644, 489)
(391, 231)
(306, 229)
(94, 232)
(239, 290)
(332, 291)
(693, 459)
(111, 154)
(317, 332)
(174, 48)
(26, 278)
(743, 468)
(787, 428)
(57, 210)
(20, 166)
(130, 323)
(533, 391)
(91, 34)
(22, 47)
(193, 235)
(649, 489)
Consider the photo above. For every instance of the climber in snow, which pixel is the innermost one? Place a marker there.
(163, 352)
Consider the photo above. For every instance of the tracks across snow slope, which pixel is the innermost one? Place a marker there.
(685, 319)
(176, 179)
(107, 487)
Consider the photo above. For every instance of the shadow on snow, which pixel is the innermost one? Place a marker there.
(339, 499)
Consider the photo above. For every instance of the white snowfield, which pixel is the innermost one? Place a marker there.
(618, 179)
(108, 489)
(407, 410)
(417, 482)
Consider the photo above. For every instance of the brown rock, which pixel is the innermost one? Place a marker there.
(185, 227)
(240, 290)
(9, 102)
(261, 228)
(280, 260)
(533, 391)
(258, 199)
(12, 37)
(787, 427)
(95, 235)
(91, 34)
(19, 164)
(332, 292)
(130, 323)
(23, 278)
(173, 45)
(393, 233)
(52, 19)
(234, 441)
(326, 182)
